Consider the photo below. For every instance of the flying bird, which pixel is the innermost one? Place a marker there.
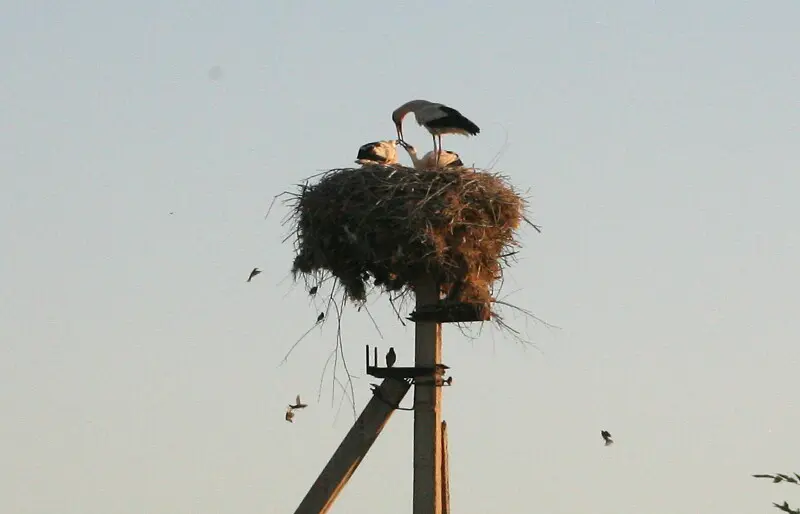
(298, 404)
(437, 118)
(320, 317)
(378, 152)
(253, 273)
(289, 415)
(606, 437)
(391, 358)
(447, 159)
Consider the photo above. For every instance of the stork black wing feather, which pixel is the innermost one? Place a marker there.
(453, 118)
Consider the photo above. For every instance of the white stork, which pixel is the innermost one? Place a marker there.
(378, 152)
(447, 159)
(438, 119)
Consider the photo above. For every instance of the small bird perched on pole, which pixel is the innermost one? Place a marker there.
(437, 118)
(391, 358)
(379, 152)
(447, 159)
(606, 437)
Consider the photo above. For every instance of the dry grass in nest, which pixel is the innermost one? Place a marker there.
(397, 226)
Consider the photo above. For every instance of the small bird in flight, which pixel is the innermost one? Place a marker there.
(391, 358)
(289, 415)
(253, 273)
(606, 437)
(320, 317)
(298, 404)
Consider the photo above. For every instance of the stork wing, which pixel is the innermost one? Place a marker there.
(297, 400)
(449, 111)
(446, 117)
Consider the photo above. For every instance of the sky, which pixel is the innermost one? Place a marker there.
(142, 143)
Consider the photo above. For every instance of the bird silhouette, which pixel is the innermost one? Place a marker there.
(253, 273)
(391, 358)
(289, 415)
(449, 381)
(298, 404)
(312, 291)
(320, 317)
(606, 437)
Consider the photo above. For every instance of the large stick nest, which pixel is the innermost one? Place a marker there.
(398, 226)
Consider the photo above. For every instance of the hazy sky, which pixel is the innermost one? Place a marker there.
(140, 372)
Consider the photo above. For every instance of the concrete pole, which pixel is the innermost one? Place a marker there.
(445, 471)
(427, 410)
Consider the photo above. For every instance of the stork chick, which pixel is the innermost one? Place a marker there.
(378, 152)
(447, 159)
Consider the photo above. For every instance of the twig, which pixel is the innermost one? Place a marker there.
(500, 152)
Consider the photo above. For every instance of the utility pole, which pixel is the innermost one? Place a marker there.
(445, 471)
(427, 408)
(431, 469)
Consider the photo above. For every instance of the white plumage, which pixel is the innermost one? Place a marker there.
(447, 159)
(437, 118)
(378, 152)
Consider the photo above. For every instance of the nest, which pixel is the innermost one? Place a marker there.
(398, 226)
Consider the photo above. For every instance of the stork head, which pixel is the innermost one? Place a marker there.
(398, 124)
(397, 118)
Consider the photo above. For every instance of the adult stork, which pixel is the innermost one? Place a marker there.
(437, 118)
(447, 159)
(378, 152)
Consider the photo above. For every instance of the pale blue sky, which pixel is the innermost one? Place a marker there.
(659, 140)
